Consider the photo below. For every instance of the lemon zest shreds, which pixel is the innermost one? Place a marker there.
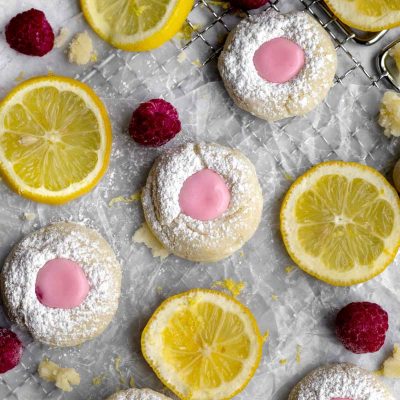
(232, 286)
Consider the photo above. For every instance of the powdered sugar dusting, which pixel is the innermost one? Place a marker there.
(340, 381)
(138, 394)
(62, 326)
(239, 72)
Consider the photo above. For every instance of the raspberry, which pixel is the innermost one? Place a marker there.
(249, 4)
(10, 350)
(154, 123)
(362, 327)
(30, 33)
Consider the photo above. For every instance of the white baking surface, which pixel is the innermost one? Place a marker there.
(295, 308)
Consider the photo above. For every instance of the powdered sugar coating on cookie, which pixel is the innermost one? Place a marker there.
(138, 394)
(274, 101)
(194, 239)
(56, 326)
(340, 381)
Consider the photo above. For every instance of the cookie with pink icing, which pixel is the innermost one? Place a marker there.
(277, 65)
(62, 283)
(202, 201)
(340, 382)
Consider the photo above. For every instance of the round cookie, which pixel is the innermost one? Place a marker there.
(340, 382)
(277, 65)
(202, 201)
(138, 394)
(62, 283)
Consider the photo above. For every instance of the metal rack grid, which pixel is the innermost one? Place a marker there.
(117, 65)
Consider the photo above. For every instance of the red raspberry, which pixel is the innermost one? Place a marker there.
(154, 123)
(30, 33)
(362, 327)
(10, 350)
(249, 4)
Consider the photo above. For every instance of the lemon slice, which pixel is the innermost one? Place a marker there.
(203, 345)
(136, 25)
(367, 15)
(55, 139)
(341, 222)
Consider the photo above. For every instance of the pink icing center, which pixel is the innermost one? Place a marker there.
(279, 60)
(61, 283)
(204, 196)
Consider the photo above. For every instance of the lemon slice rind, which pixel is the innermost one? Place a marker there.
(152, 344)
(92, 101)
(313, 265)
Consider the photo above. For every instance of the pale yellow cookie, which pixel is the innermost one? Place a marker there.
(138, 394)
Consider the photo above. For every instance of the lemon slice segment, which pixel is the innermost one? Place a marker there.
(203, 345)
(136, 25)
(55, 139)
(367, 15)
(340, 222)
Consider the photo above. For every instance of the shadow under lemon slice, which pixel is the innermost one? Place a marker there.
(55, 139)
(136, 25)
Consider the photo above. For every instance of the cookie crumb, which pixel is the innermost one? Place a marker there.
(61, 38)
(63, 378)
(28, 216)
(391, 367)
(80, 50)
(389, 116)
(145, 236)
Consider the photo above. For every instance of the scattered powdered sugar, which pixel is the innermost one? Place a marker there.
(340, 381)
(52, 325)
(139, 394)
(239, 70)
(161, 195)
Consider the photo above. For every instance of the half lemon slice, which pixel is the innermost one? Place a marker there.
(136, 25)
(367, 15)
(55, 139)
(340, 222)
(203, 345)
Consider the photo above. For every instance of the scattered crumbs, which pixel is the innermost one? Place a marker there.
(61, 38)
(121, 199)
(20, 77)
(265, 336)
(222, 4)
(98, 380)
(145, 236)
(389, 117)
(117, 366)
(63, 378)
(274, 297)
(391, 367)
(283, 361)
(234, 287)
(181, 57)
(28, 216)
(132, 383)
(159, 289)
(80, 50)
(197, 63)
(187, 30)
(289, 269)
(288, 177)
(298, 354)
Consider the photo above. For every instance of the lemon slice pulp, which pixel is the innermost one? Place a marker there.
(55, 139)
(203, 345)
(136, 25)
(341, 222)
(367, 15)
